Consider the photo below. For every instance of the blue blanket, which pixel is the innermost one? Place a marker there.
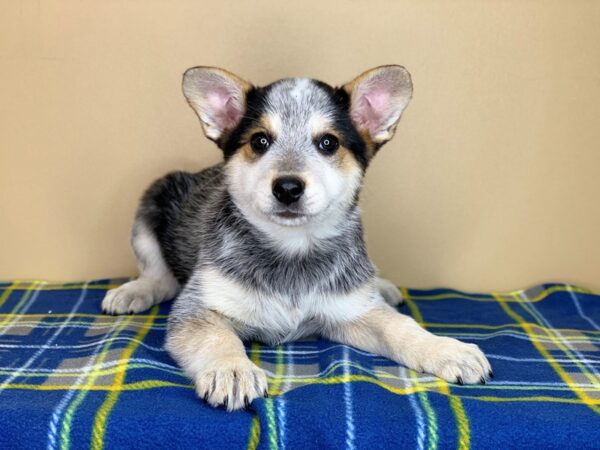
(71, 377)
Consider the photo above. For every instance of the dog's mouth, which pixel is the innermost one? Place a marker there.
(289, 214)
(290, 217)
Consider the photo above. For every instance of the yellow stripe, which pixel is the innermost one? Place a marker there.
(155, 384)
(7, 291)
(269, 403)
(548, 357)
(48, 286)
(26, 285)
(432, 429)
(462, 421)
(507, 325)
(404, 391)
(255, 353)
(109, 320)
(18, 306)
(486, 298)
(95, 371)
(556, 340)
(99, 427)
(69, 415)
(254, 436)
(529, 399)
(136, 386)
(99, 316)
(279, 369)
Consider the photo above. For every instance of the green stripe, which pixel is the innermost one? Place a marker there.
(271, 415)
(65, 431)
(271, 424)
(254, 436)
(462, 421)
(432, 427)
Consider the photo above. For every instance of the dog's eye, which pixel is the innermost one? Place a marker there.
(260, 142)
(328, 144)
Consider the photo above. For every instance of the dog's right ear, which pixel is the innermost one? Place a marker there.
(217, 96)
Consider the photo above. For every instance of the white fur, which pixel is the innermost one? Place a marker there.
(155, 283)
(280, 315)
(328, 193)
(389, 291)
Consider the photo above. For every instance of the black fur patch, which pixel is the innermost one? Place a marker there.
(255, 107)
(351, 139)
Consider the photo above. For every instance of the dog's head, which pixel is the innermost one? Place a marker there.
(297, 149)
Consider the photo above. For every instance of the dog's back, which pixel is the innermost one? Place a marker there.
(176, 206)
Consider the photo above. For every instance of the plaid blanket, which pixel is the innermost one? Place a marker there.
(71, 377)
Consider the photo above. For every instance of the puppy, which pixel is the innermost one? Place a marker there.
(268, 245)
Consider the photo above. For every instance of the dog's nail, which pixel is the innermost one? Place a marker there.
(491, 374)
(246, 402)
(226, 401)
(482, 380)
(459, 380)
(266, 394)
(205, 398)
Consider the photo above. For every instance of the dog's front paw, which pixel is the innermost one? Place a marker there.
(455, 361)
(232, 383)
(132, 297)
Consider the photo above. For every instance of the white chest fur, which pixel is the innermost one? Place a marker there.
(279, 317)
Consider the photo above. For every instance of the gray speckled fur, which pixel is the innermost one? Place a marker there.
(202, 226)
(197, 224)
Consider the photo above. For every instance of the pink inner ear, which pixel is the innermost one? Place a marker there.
(372, 109)
(224, 108)
(379, 101)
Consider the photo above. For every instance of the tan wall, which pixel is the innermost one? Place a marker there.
(491, 182)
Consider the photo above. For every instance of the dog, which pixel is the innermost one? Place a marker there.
(268, 244)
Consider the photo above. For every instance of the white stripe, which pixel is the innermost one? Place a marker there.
(52, 338)
(348, 403)
(289, 380)
(280, 407)
(102, 366)
(542, 360)
(403, 375)
(62, 405)
(91, 326)
(562, 339)
(516, 335)
(280, 402)
(296, 352)
(90, 344)
(24, 308)
(580, 310)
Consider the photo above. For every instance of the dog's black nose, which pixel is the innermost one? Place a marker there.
(288, 189)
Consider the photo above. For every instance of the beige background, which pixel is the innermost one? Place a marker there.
(490, 184)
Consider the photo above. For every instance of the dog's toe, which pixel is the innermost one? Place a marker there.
(130, 298)
(456, 362)
(231, 383)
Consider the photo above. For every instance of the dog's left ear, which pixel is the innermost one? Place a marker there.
(217, 96)
(377, 99)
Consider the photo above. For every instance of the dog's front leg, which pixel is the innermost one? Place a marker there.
(210, 352)
(384, 331)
